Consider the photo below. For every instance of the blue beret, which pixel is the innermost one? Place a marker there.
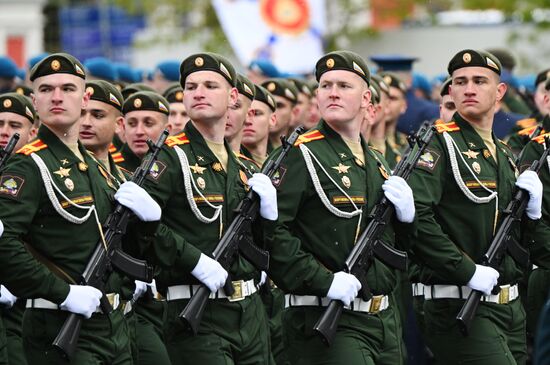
(125, 73)
(8, 69)
(21, 73)
(265, 67)
(170, 70)
(421, 82)
(102, 68)
(34, 60)
(393, 62)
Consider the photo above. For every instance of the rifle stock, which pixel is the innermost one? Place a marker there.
(107, 256)
(234, 237)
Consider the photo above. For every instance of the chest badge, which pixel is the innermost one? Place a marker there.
(62, 172)
(346, 182)
(201, 183)
(64, 162)
(471, 144)
(341, 168)
(477, 167)
(343, 155)
(69, 184)
(197, 169)
(82, 166)
(470, 154)
(216, 166)
(486, 153)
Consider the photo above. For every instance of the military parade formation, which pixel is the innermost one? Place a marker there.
(207, 216)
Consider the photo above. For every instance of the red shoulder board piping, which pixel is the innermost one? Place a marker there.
(176, 140)
(308, 137)
(448, 127)
(34, 146)
(526, 123)
(112, 148)
(117, 157)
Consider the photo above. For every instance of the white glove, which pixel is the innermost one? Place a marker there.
(484, 279)
(529, 181)
(344, 288)
(263, 278)
(263, 186)
(138, 201)
(400, 194)
(210, 273)
(141, 288)
(82, 299)
(6, 297)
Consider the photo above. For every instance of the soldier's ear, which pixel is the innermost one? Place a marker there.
(366, 98)
(233, 96)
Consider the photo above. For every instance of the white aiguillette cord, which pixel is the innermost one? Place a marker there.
(189, 185)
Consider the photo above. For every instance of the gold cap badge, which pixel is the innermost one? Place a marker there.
(179, 96)
(330, 63)
(271, 86)
(466, 57)
(199, 62)
(137, 103)
(55, 65)
(7, 103)
(90, 90)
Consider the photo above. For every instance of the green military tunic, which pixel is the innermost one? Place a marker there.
(148, 316)
(29, 216)
(229, 331)
(539, 279)
(454, 233)
(309, 243)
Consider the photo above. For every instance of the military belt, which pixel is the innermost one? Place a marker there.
(507, 293)
(39, 303)
(242, 288)
(418, 289)
(376, 304)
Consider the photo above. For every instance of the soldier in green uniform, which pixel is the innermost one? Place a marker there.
(303, 101)
(238, 113)
(519, 135)
(257, 124)
(447, 107)
(374, 130)
(461, 184)
(178, 117)
(326, 187)
(199, 184)
(17, 115)
(98, 123)
(539, 279)
(285, 95)
(145, 117)
(54, 198)
(397, 105)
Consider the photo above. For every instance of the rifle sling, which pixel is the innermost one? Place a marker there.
(56, 270)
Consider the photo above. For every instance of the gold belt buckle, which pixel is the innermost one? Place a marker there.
(504, 295)
(375, 303)
(239, 293)
(111, 298)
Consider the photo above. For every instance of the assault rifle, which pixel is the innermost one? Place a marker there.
(108, 255)
(237, 240)
(369, 244)
(8, 150)
(502, 239)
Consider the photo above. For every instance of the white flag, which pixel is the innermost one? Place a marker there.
(288, 32)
